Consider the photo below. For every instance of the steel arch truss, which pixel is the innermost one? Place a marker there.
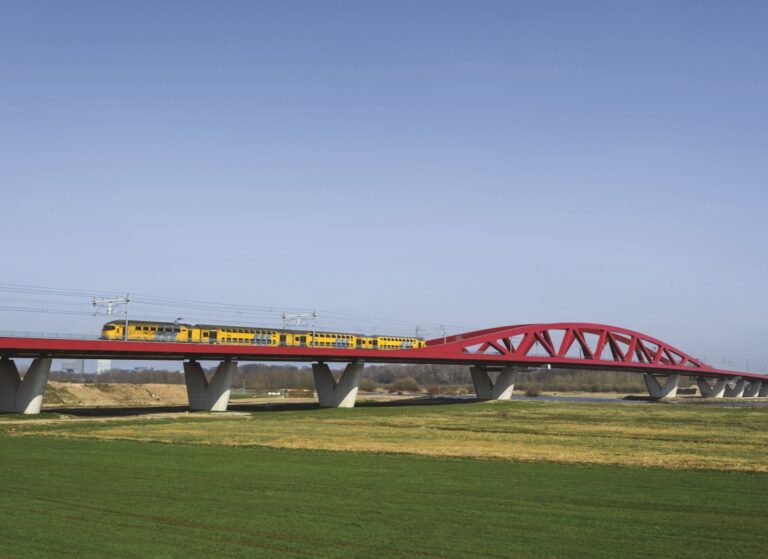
(574, 344)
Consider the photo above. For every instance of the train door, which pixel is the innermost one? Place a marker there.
(282, 339)
(375, 343)
(212, 338)
(359, 343)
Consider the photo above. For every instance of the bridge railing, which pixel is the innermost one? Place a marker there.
(46, 335)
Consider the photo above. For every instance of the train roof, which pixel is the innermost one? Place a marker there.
(273, 329)
(134, 321)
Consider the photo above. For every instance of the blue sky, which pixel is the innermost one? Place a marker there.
(467, 163)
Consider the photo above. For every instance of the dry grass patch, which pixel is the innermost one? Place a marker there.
(667, 436)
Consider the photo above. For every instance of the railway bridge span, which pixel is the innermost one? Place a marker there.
(493, 355)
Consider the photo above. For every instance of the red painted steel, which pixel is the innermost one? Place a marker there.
(562, 345)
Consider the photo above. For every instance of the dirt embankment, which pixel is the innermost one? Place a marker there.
(59, 394)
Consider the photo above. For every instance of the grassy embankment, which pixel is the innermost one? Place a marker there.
(68, 492)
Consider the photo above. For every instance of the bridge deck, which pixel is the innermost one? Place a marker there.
(453, 352)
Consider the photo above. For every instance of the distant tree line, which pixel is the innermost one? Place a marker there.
(260, 377)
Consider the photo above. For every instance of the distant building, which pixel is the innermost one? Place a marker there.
(103, 365)
(75, 366)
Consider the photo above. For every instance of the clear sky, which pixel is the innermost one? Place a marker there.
(470, 163)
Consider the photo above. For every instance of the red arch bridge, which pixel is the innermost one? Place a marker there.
(493, 354)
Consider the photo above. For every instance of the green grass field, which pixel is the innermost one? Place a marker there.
(70, 489)
(667, 436)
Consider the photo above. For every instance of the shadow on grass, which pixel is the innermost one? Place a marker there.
(405, 402)
(257, 407)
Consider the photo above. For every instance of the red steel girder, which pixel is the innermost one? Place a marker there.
(563, 345)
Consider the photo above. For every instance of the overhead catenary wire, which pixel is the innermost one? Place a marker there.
(150, 307)
(58, 301)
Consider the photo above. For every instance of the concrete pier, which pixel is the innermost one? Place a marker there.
(657, 391)
(210, 395)
(716, 390)
(337, 394)
(735, 389)
(25, 395)
(752, 389)
(487, 389)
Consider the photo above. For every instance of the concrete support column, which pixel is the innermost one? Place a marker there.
(657, 391)
(210, 395)
(716, 390)
(337, 394)
(735, 390)
(752, 388)
(486, 389)
(25, 395)
(763, 390)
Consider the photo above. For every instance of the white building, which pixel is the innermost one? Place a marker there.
(103, 365)
(75, 366)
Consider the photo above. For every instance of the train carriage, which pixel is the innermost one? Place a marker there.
(222, 334)
(149, 331)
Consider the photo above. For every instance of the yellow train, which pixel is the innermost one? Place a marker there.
(216, 334)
